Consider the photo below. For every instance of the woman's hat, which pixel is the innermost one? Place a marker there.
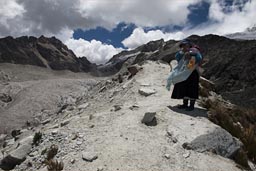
(184, 42)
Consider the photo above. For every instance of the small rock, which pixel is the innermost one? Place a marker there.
(83, 106)
(64, 123)
(55, 126)
(46, 121)
(74, 136)
(33, 154)
(167, 156)
(89, 157)
(91, 126)
(29, 164)
(102, 89)
(169, 133)
(100, 169)
(186, 155)
(72, 161)
(79, 142)
(149, 119)
(109, 82)
(117, 107)
(134, 107)
(133, 69)
(145, 84)
(15, 132)
(80, 135)
(54, 132)
(174, 140)
(186, 146)
(5, 98)
(146, 91)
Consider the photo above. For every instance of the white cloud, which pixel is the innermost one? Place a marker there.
(95, 51)
(49, 17)
(9, 10)
(140, 12)
(64, 35)
(221, 23)
(139, 37)
(37, 17)
(216, 12)
(60, 17)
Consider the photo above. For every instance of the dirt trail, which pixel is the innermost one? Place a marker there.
(105, 124)
(122, 142)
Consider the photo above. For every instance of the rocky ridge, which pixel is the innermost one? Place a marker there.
(45, 52)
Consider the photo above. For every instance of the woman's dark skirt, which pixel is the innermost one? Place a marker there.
(188, 88)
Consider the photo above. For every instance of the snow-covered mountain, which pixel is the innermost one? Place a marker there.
(248, 34)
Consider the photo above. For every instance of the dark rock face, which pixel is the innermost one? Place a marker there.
(42, 51)
(230, 64)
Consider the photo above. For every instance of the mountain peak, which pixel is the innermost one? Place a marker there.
(43, 51)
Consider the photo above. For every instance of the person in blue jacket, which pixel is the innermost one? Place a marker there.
(188, 89)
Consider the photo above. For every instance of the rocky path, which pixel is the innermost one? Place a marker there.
(105, 133)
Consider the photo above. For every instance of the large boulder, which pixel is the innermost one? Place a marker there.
(203, 136)
(218, 141)
(18, 155)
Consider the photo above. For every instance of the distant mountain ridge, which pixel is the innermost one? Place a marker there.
(229, 63)
(44, 52)
(248, 34)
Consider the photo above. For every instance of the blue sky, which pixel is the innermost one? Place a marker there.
(99, 29)
(115, 36)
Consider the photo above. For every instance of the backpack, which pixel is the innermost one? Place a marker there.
(196, 49)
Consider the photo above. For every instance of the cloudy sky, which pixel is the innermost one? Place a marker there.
(98, 29)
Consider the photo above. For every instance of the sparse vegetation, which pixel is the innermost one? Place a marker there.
(52, 152)
(53, 164)
(37, 138)
(238, 121)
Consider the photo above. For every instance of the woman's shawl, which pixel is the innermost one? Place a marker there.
(181, 72)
